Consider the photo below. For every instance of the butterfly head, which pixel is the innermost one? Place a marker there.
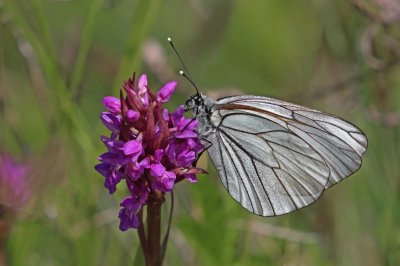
(194, 102)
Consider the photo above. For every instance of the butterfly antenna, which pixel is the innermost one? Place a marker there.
(187, 74)
(189, 79)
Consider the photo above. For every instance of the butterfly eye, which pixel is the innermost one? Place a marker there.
(189, 104)
(197, 100)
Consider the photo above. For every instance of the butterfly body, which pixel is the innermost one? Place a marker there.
(274, 157)
(202, 108)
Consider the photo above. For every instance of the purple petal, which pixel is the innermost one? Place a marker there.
(164, 94)
(186, 134)
(166, 182)
(142, 84)
(112, 104)
(111, 144)
(158, 154)
(145, 98)
(109, 157)
(111, 181)
(132, 116)
(177, 115)
(112, 122)
(169, 180)
(194, 145)
(191, 177)
(180, 153)
(140, 192)
(111, 174)
(127, 220)
(132, 148)
(166, 115)
(134, 171)
(142, 89)
(157, 169)
(145, 163)
(103, 168)
(187, 124)
(185, 158)
(128, 214)
(171, 152)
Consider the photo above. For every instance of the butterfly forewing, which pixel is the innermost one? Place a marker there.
(274, 157)
(340, 143)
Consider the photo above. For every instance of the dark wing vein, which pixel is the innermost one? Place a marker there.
(284, 187)
(248, 179)
(243, 149)
(241, 179)
(223, 164)
(328, 150)
(295, 179)
(265, 191)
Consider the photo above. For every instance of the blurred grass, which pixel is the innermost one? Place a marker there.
(59, 58)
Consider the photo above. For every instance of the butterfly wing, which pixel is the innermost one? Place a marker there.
(274, 157)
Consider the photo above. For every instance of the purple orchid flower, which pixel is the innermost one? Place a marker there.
(14, 186)
(149, 148)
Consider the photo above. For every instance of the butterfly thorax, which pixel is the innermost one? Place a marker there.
(202, 108)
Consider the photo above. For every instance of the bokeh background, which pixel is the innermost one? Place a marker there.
(58, 58)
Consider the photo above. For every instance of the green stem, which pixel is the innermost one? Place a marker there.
(142, 238)
(165, 240)
(154, 232)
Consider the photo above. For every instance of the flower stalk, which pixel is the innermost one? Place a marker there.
(154, 232)
(142, 238)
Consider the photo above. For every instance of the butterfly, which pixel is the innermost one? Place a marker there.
(274, 157)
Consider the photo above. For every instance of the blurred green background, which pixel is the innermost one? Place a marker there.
(58, 58)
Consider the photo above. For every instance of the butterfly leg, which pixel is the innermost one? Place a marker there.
(207, 144)
(188, 124)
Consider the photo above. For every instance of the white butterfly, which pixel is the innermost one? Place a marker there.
(274, 157)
